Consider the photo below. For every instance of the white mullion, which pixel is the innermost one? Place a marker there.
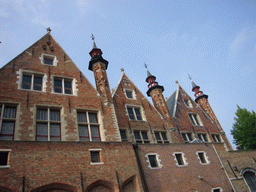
(32, 82)
(48, 123)
(160, 133)
(89, 127)
(134, 113)
(63, 89)
(2, 116)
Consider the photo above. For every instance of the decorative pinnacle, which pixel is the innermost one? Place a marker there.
(93, 42)
(48, 30)
(92, 37)
(189, 77)
(122, 69)
(145, 65)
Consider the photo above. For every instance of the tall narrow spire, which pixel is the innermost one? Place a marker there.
(195, 88)
(152, 84)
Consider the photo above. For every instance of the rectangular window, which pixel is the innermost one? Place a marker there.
(152, 161)
(141, 136)
(216, 138)
(134, 113)
(48, 124)
(88, 126)
(202, 157)
(217, 189)
(203, 137)
(129, 94)
(179, 158)
(187, 137)
(95, 156)
(7, 121)
(62, 85)
(161, 137)
(4, 158)
(32, 82)
(48, 59)
(123, 135)
(194, 118)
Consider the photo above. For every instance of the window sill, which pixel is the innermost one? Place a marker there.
(32, 90)
(5, 166)
(97, 163)
(63, 94)
(154, 167)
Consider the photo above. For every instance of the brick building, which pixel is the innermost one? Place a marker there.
(59, 133)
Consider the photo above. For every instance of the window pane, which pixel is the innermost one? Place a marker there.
(164, 136)
(157, 136)
(48, 60)
(41, 129)
(95, 156)
(152, 160)
(202, 157)
(38, 83)
(179, 159)
(42, 114)
(217, 138)
(54, 130)
(9, 112)
(123, 135)
(95, 133)
(68, 87)
(184, 137)
(0, 110)
(54, 138)
(93, 118)
(138, 115)
(205, 137)
(6, 138)
(250, 180)
(3, 158)
(42, 139)
(129, 94)
(189, 136)
(81, 117)
(57, 86)
(83, 132)
(26, 81)
(144, 135)
(195, 117)
(54, 115)
(192, 120)
(130, 112)
(137, 135)
(7, 128)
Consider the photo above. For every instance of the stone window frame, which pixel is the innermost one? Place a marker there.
(53, 57)
(161, 137)
(245, 171)
(184, 159)
(8, 158)
(214, 189)
(100, 162)
(158, 161)
(206, 158)
(141, 140)
(87, 112)
(134, 96)
(49, 121)
(188, 104)
(2, 119)
(200, 137)
(22, 72)
(188, 139)
(195, 119)
(142, 113)
(63, 79)
(216, 138)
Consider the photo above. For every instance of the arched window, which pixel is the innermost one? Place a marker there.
(250, 180)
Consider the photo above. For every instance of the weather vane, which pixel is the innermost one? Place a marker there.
(92, 37)
(48, 29)
(145, 65)
(189, 77)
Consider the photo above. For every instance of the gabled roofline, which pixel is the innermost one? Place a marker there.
(176, 100)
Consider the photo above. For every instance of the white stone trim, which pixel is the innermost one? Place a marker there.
(55, 61)
(205, 156)
(183, 158)
(142, 112)
(134, 96)
(217, 188)
(74, 85)
(158, 161)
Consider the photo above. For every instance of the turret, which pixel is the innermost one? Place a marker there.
(99, 66)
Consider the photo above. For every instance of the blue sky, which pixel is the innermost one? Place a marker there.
(213, 41)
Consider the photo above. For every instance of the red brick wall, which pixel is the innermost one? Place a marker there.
(61, 163)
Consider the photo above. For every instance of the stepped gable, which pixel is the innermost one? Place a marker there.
(126, 97)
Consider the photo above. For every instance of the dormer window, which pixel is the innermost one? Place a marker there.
(48, 59)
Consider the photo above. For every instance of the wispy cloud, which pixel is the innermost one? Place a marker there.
(238, 41)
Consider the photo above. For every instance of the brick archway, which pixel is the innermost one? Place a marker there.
(55, 187)
(100, 185)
